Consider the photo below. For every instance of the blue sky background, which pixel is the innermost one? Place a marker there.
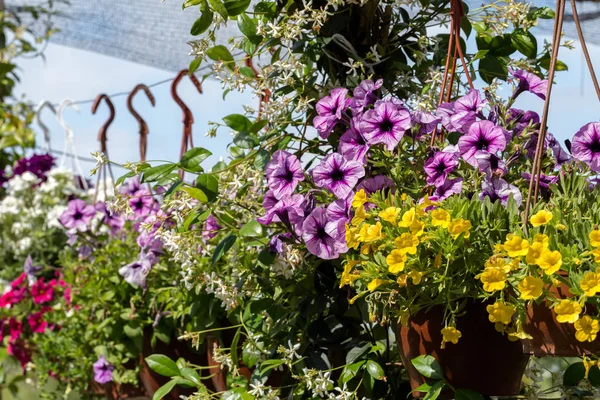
(80, 75)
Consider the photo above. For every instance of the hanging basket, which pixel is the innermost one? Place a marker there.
(483, 360)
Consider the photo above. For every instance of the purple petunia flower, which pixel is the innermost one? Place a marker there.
(498, 189)
(141, 203)
(438, 167)
(330, 110)
(77, 216)
(340, 209)
(283, 173)
(585, 146)
(521, 119)
(427, 122)
(276, 245)
(135, 273)
(31, 270)
(338, 174)
(211, 227)
(365, 94)
(447, 189)
(386, 124)
(490, 164)
(290, 210)
(131, 186)
(471, 102)
(545, 180)
(482, 136)
(353, 145)
(375, 184)
(113, 220)
(103, 371)
(559, 153)
(323, 237)
(529, 82)
(37, 164)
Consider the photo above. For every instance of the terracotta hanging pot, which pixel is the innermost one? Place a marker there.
(550, 337)
(483, 360)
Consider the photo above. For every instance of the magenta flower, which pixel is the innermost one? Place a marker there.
(323, 237)
(15, 328)
(529, 82)
(353, 145)
(498, 189)
(330, 110)
(12, 297)
(141, 203)
(135, 273)
(37, 164)
(386, 124)
(283, 172)
(42, 292)
(585, 146)
(438, 167)
(338, 174)
(447, 189)
(77, 216)
(36, 321)
(375, 184)
(103, 371)
(18, 350)
(365, 94)
(482, 136)
(211, 227)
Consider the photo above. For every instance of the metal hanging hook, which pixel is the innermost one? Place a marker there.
(188, 117)
(143, 125)
(43, 127)
(102, 138)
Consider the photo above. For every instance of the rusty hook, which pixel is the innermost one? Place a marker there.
(102, 138)
(143, 125)
(188, 117)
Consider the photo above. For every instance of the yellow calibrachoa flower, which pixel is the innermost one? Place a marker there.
(596, 254)
(518, 333)
(588, 363)
(497, 261)
(360, 198)
(352, 237)
(587, 329)
(531, 287)
(542, 217)
(498, 248)
(402, 280)
(541, 238)
(374, 284)
(407, 243)
(390, 215)
(437, 261)
(348, 278)
(590, 283)
(416, 277)
(500, 312)
(450, 334)
(567, 311)
(371, 233)
(440, 217)
(550, 261)
(595, 238)
(516, 246)
(359, 216)
(493, 279)
(458, 226)
(417, 227)
(396, 261)
(534, 252)
(407, 218)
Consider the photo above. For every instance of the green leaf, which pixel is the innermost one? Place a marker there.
(525, 42)
(435, 391)
(466, 394)
(245, 140)
(164, 390)
(185, 382)
(209, 185)
(195, 64)
(574, 374)
(132, 331)
(238, 122)
(246, 25)
(375, 370)
(191, 3)
(162, 365)
(236, 7)
(153, 174)
(350, 371)
(357, 352)
(234, 347)
(428, 366)
(251, 229)
(192, 159)
(219, 8)
(223, 247)
(220, 53)
(262, 159)
(191, 375)
(258, 125)
(541, 12)
(196, 193)
(202, 23)
(491, 67)
(545, 63)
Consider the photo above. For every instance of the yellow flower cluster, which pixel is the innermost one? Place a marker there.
(450, 334)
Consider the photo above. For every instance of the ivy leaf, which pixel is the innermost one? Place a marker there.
(164, 390)
(428, 366)
(525, 42)
(238, 122)
(162, 365)
(219, 7)
(192, 159)
(209, 185)
(223, 247)
(251, 229)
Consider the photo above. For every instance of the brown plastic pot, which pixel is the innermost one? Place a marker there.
(483, 360)
(550, 337)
